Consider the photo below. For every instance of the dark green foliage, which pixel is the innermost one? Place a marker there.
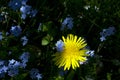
(88, 23)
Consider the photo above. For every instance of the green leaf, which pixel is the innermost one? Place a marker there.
(45, 42)
(46, 26)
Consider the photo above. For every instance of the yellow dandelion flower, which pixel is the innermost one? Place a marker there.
(72, 54)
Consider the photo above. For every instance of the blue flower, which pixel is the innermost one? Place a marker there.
(38, 76)
(13, 64)
(107, 32)
(34, 73)
(102, 38)
(13, 68)
(103, 33)
(24, 40)
(33, 13)
(59, 45)
(27, 10)
(15, 4)
(24, 57)
(90, 52)
(110, 31)
(16, 30)
(4, 69)
(68, 23)
(1, 36)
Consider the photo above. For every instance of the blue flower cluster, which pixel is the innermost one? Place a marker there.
(107, 32)
(59, 45)
(12, 67)
(24, 8)
(67, 23)
(27, 10)
(15, 31)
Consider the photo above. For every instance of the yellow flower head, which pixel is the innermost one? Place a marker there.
(72, 54)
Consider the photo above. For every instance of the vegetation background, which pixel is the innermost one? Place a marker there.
(43, 30)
